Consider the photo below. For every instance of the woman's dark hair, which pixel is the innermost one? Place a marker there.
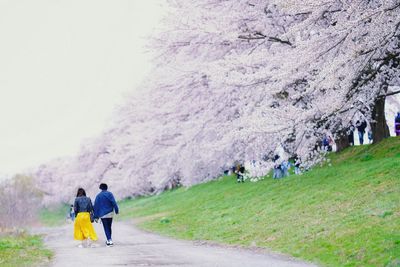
(81, 193)
(103, 186)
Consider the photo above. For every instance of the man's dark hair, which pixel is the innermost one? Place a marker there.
(81, 193)
(103, 186)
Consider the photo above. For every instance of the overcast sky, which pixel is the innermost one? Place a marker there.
(64, 65)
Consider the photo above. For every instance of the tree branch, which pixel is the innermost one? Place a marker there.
(276, 39)
(260, 36)
(334, 46)
(392, 8)
(389, 94)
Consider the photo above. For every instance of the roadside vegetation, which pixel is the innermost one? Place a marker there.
(21, 249)
(20, 205)
(20, 200)
(345, 213)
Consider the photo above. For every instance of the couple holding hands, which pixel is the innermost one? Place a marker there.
(104, 208)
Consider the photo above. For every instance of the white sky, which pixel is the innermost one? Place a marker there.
(64, 65)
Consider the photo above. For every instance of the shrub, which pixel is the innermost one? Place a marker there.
(20, 200)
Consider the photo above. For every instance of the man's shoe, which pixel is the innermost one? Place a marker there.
(109, 243)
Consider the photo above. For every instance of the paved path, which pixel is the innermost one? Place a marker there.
(134, 247)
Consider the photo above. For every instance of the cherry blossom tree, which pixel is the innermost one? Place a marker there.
(239, 81)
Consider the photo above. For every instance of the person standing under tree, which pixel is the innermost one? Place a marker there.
(277, 167)
(397, 124)
(361, 130)
(239, 173)
(104, 208)
(297, 163)
(285, 166)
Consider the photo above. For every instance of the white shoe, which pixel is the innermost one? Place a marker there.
(109, 243)
(80, 246)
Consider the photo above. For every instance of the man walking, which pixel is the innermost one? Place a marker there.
(104, 208)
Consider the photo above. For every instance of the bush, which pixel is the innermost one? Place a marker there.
(20, 202)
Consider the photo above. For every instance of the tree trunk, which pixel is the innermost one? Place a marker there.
(342, 142)
(379, 128)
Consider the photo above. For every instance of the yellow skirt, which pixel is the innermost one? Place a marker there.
(83, 228)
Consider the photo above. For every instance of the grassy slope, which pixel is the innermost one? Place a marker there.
(22, 250)
(347, 214)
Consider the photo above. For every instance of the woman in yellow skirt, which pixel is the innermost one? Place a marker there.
(83, 228)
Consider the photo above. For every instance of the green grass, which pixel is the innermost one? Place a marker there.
(28, 250)
(346, 214)
(22, 250)
(54, 216)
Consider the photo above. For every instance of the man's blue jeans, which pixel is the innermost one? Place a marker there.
(107, 222)
(361, 137)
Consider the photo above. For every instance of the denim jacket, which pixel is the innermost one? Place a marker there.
(104, 204)
(83, 204)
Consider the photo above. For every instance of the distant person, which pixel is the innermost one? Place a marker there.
(370, 136)
(285, 166)
(240, 173)
(350, 135)
(361, 130)
(325, 143)
(297, 163)
(83, 228)
(71, 213)
(105, 207)
(397, 124)
(277, 167)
